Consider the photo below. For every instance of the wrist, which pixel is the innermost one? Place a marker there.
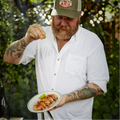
(66, 98)
(27, 40)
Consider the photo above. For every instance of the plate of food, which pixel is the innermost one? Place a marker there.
(44, 101)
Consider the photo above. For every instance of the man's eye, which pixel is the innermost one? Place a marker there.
(69, 19)
(59, 17)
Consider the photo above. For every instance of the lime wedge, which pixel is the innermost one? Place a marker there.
(42, 96)
(43, 36)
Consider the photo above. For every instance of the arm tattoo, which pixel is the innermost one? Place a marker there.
(72, 96)
(98, 88)
(19, 54)
(85, 92)
(18, 47)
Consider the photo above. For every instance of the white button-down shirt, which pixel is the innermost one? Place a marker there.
(80, 61)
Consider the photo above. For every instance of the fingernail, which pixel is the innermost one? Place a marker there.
(43, 36)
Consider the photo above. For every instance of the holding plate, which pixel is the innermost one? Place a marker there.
(32, 102)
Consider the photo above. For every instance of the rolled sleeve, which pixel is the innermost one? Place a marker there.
(97, 68)
(29, 53)
(101, 83)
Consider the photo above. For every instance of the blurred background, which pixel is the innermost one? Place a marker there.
(99, 16)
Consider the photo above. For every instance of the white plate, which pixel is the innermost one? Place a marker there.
(34, 100)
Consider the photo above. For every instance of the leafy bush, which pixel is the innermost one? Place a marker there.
(106, 106)
(20, 81)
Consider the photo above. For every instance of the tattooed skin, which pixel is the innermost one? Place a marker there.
(16, 47)
(85, 92)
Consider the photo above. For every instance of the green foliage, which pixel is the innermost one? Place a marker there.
(106, 106)
(39, 1)
(20, 81)
(112, 96)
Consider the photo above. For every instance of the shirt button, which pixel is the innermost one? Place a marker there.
(54, 73)
(58, 59)
(52, 89)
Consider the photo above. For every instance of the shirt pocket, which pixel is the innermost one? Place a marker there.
(74, 64)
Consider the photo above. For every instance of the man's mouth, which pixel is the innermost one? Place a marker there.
(63, 29)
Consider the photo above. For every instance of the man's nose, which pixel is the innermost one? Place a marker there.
(64, 22)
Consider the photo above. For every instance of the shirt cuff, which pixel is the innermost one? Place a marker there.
(101, 83)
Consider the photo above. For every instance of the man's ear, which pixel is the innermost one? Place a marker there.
(80, 15)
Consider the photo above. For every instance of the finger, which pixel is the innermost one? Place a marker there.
(53, 108)
(34, 30)
(32, 33)
(56, 107)
(39, 30)
(43, 35)
(38, 33)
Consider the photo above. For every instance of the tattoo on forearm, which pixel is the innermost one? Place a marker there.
(86, 92)
(23, 44)
(98, 88)
(18, 47)
(19, 54)
(72, 96)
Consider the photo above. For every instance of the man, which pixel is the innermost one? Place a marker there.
(69, 60)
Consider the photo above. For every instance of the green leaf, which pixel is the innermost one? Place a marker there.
(107, 116)
(105, 108)
(97, 115)
(96, 104)
(115, 111)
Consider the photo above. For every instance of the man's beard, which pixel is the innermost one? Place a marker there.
(64, 32)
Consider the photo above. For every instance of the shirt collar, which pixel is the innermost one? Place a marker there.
(75, 36)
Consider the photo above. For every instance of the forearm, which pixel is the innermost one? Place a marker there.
(14, 52)
(88, 91)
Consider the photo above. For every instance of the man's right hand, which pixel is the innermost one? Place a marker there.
(34, 32)
(14, 52)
